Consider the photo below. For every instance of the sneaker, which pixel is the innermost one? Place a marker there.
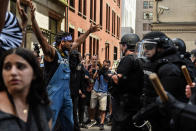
(101, 127)
(91, 124)
(81, 125)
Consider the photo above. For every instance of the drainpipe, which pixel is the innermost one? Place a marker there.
(66, 16)
(156, 11)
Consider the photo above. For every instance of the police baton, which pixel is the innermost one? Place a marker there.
(186, 75)
(158, 87)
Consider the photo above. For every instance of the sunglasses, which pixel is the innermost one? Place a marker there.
(149, 45)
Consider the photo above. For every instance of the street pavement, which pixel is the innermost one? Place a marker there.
(96, 128)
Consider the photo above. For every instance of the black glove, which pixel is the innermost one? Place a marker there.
(145, 113)
(172, 107)
(193, 96)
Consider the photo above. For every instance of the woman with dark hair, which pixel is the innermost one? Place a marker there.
(24, 104)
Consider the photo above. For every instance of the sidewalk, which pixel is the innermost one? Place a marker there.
(96, 128)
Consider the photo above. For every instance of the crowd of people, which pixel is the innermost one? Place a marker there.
(67, 92)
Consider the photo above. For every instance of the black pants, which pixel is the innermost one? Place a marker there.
(121, 120)
(75, 100)
(81, 109)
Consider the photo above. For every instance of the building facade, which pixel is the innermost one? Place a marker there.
(76, 16)
(107, 13)
(136, 16)
(177, 19)
(50, 16)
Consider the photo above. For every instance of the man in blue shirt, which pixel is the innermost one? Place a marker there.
(99, 93)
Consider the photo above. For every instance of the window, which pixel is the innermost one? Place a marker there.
(151, 4)
(148, 4)
(115, 52)
(145, 5)
(53, 28)
(97, 48)
(118, 3)
(148, 15)
(107, 18)
(113, 22)
(90, 46)
(72, 5)
(95, 5)
(146, 27)
(118, 27)
(91, 10)
(80, 7)
(84, 8)
(71, 31)
(93, 47)
(107, 51)
(101, 12)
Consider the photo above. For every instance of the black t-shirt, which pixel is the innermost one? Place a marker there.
(132, 73)
(77, 78)
(50, 68)
(130, 86)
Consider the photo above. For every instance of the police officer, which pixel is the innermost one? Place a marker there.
(185, 56)
(127, 86)
(180, 45)
(165, 61)
(182, 114)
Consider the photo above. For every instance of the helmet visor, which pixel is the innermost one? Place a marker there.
(145, 45)
(149, 44)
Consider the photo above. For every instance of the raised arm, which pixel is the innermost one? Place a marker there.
(24, 19)
(48, 50)
(3, 9)
(82, 38)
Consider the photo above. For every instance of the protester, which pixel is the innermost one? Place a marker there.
(3, 8)
(57, 71)
(77, 83)
(10, 31)
(183, 115)
(127, 86)
(24, 103)
(193, 56)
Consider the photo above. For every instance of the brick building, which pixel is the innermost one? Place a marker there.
(107, 13)
(75, 16)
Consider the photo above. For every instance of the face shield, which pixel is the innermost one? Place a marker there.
(144, 45)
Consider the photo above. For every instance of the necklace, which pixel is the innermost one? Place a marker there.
(25, 111)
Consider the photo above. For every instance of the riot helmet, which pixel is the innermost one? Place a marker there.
(159, 39)
(153, 40)
(180, 45)
(130, 40)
